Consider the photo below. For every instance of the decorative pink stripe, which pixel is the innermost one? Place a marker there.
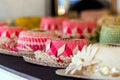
(56, 46)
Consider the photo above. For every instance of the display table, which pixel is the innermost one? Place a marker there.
(43, 73)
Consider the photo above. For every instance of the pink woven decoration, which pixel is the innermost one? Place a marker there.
(9, 36)
(52, 23)
(33, 40)
(64, 48)
(78, 29)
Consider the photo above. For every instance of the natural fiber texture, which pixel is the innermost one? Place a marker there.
(13, 53)
(110, 34)
(46, 60)
(61, 72)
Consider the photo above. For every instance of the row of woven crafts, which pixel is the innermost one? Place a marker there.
(59, 39)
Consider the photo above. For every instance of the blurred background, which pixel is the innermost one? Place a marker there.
(11, 9)
(28, 13)
(94, 20)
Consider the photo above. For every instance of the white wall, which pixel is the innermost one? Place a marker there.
(118, 4)
(10, 9)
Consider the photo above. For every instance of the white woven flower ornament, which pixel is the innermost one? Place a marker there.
(82, 59)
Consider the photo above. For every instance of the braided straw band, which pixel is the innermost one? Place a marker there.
(42, 58)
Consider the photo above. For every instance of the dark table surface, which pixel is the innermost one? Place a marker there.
(41, 72)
